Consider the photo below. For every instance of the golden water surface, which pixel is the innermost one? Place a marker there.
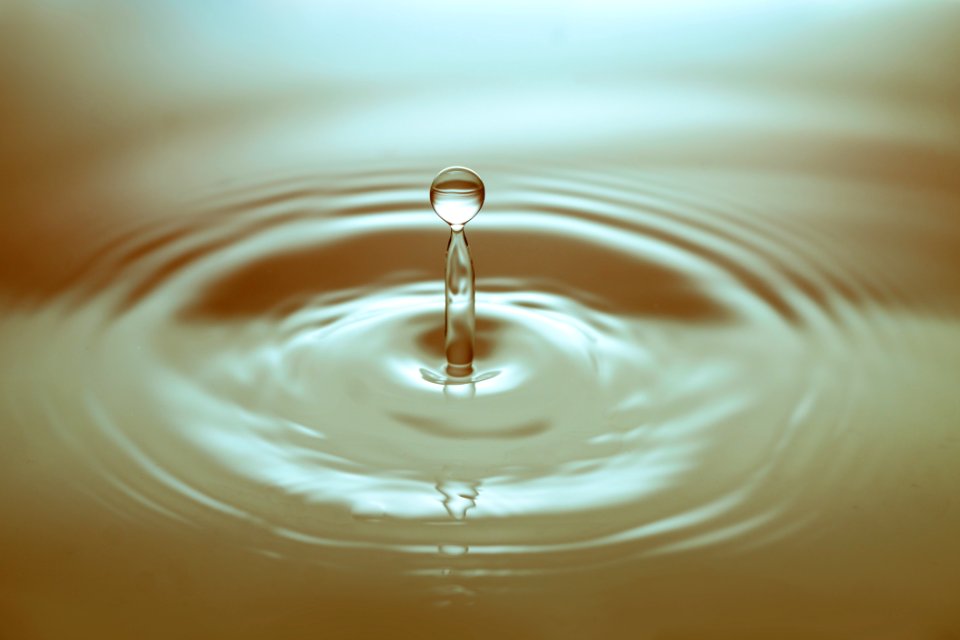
(718, 320)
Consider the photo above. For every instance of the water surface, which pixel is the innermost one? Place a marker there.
(717, 339)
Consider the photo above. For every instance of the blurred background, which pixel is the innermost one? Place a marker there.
(90, 88)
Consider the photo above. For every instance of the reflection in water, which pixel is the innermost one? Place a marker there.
(716, 344)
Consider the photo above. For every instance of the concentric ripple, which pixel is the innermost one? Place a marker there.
(652, 370)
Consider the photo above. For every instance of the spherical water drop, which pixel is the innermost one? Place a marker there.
(457, 195)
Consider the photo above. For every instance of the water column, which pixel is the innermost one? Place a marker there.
(456, 196)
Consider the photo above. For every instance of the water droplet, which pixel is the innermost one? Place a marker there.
(456, 195)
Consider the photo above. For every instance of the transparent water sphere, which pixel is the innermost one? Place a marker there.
(457, 195)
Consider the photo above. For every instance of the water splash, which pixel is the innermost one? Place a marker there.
(640, 404)
(457, 195)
